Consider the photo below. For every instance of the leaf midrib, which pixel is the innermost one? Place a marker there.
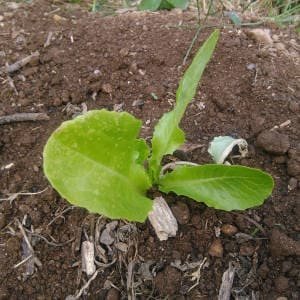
(205, 180)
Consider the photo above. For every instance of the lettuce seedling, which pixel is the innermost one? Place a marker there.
(98, 162)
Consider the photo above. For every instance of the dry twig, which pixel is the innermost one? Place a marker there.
(19, 64)
(11, 197)
(23, 117)
(227, 281)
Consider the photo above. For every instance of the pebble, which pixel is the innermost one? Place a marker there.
(293, 183)
(294, 106)
(107, 88)
(113, 294)
(2, 220)
(1, 18)
(124, 52)
(216, 249)
(281, 284)
(282, 298)
(229, 229)
(273, 142)
(181, 212)
(251, 67)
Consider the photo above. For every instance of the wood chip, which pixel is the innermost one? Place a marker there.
(162, 219)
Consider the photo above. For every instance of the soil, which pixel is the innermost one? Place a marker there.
(117, 62)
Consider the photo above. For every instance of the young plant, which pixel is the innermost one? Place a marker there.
(97, 160)
(155, 5)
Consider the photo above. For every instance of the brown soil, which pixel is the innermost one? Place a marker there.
(122, 60)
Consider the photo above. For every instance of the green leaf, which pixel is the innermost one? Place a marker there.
(167, 135)
(149, 5)
(96, 161)
(219, 186)
(183, 4)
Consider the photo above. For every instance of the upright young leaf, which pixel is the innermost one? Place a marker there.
(167, 135)
(149, 5)
(96, 161)
(219, 186)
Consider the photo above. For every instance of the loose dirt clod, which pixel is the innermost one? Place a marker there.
(281, 284)
(181, 212)
(273, 142)
(282, 245)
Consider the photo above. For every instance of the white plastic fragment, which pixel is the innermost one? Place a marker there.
(7, 167)
(222, 146)
(162, 219)
(87, 258)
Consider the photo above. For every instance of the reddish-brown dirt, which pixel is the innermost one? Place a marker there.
(103, 62)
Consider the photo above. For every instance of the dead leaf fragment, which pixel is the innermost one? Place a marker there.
(107, 88)
(262, 36)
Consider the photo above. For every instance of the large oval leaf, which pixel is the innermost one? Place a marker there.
(222, 187)
(96, 161)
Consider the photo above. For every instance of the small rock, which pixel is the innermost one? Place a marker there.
(247, 250)
(181, 212)
(139, 103)
(293, 183)
(59, 19)
(282, 298)
(261, 36)
(251, 67)
(2, 220)
(229, 229)
(273, 142)
(124, 52)
(216, 249)
(293, 167)
(280, 46)
(107, 88)
(294, 106)
(281, 284)
(1, 18)
(13, 5)
(282, 245)
(113, 294)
